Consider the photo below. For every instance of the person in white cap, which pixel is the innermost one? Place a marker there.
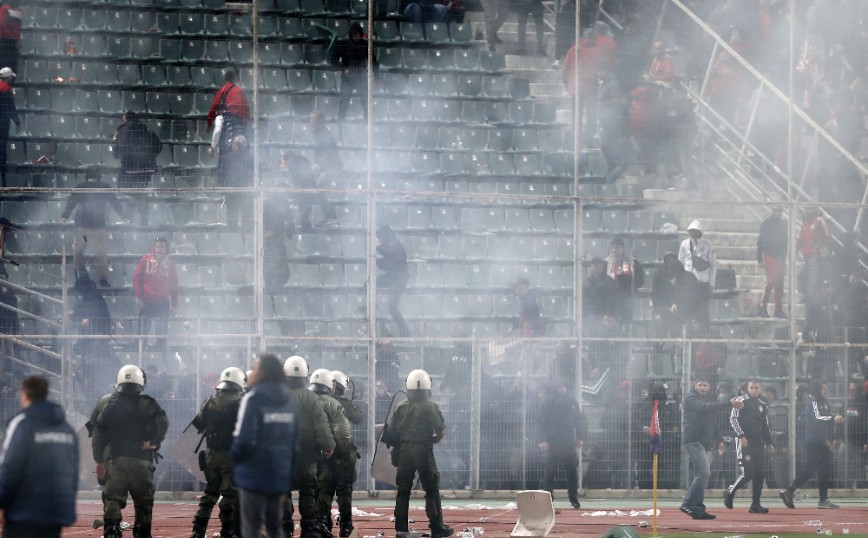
(697, 255)
(8, 113)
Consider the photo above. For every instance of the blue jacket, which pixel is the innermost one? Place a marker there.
(39, 467)
(818, 421)
(263, 440)
(700, 419)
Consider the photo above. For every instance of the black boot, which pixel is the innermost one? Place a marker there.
(324, 525)
(112, 530)
(228, 532)
(434, 511)
(346, 525)
(309, 528)
(200, 525)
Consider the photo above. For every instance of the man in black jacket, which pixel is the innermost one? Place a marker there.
(751, 425)
(38, 467)
(137, 148)
(771, 252)
(351, 55)
(699, 431)
(562, 429)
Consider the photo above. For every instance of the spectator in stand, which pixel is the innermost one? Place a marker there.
(351, 55)
(8, 113)
(613, 126)
(600, 308)
(156, 287)
(495, 15)
(10, 33)
(674, 293)
(424, 11)
(277, 227)
(629, 276)
(92, 314)
(327, 165)
(529, 315)
(392, 261)
(90, 225)
(698, 257)
(535, 8)
(771, 252)
(855, 435)
(813, 235)
(304, 176)
(726, 85)
(594, 51)
(661, 68)
(233, 99)
(137, 148)
(565, 29)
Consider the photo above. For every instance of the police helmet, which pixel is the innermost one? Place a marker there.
(295, 366)
(341, 380)
(232, 378)
(322, 378)
(418, 386)
(130, 378)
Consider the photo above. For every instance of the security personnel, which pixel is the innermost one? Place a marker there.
(346, 469)
(216, 421)
(314, 438)
(128, 428)
(414, 427)
(321, 384)
(562, 430)
(751, 425)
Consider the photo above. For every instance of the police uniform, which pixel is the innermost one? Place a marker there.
(216, 420)
(314, 436)
(752, 423)
(329, 469)
(121, 423)
(346, 470)
(415, 425)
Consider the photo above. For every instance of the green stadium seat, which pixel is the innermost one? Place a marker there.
(153, 75)
(359, 7)
(395, 83)
(143, 22)
(274, 78)
(186, 156)
(45, 45)
(555, 164)
(129, 74)
(461, 32)
(386, 30)
(420, 84)
(190, 23)
(491, 61)
(202, 76)
(312, 7)
(37, 70)
(443, 85)
(214, 4)
(521, 112)
(266, 26)
(440, 59)
(62, 99)
(134, 101)
(502, 164)
(287, 6)
(390, 57)
(545, 113)
(339, 28)
(436, 32)
(426, 162)
(86, 101)
(38, 149)
(473, 111)
(87, 127)
(399, 109)
(550, 139)
(424, 109)
(291, 53)
(470, 85)
(157, 102)
(449, 110)
(298, 80)
(474, 138)
(416, 59)
(170, 49)
(216, 24)
(180, 104)
(466, 59)
(91, 45)
(94, 19)
(118, 21)
(518, 88)
(202, 102)
(269, 53)
(290, 27)
(91, 154)
(179, 75)
(500, 139)
(496, 112)
(193, 50)
(495, 86)
(109, 101)
(452, 163)
(118, 47)
(275, 105)
(169, 22)
(302, 105)
(43, 17)
(240, 25)
(38, 125)
(527, 164)
(314, 53)
(426, 137)
(245, 76)
(324, 81)
(411, 31)
(216, 50)
(340, 7)
(82, 70)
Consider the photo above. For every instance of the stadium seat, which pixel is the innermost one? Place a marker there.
(63, 127)
(527, 164)
(193, 50)
(91, 45)
(449, 110)
(241, 52)
(411, 31)
(216, 50)
(469, 85)
(45, 45)
(153, 75)
(466, 59)
(424, 110)
(85, 101)
(290, 28)
(95, 19)
(324, 81)
(524, 139)
(170, 23)
(518, 88)
(440, 59)
(44, 17)
(521, 112)
(87, 127)
(496, 112)
(436, 32)
(241, 25)
(216, 24)
(500, 139)
(390, 57)
(474, 112)
(143, 22)
(461, 32)
(415, 59)
(141, 47)
(118, 47)
(315, 53)
(491, 61)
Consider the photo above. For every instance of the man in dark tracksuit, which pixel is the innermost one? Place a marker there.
(128, 428)
(216, 420)
(771, 252)
(351, 55)
(562, 429)
(818, 419)
(343, 475)
(321, 384)
(415, 426)
(699, 432)
(8, 113)
(751, 426)
(314, 438)
(38, 467)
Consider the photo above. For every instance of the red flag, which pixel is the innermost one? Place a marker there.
(656, 434)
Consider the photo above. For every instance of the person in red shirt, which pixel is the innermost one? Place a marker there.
(8, 113)
(813, 236)
(594, 51)
(155, 283)
(661, 69)
(232, 96)
(10, 34)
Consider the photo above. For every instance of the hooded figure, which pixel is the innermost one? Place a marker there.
(92, 314)
(674, 292)
(392, 261)
(156, 286)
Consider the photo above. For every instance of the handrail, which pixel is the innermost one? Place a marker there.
(28, 290)
(32, 347)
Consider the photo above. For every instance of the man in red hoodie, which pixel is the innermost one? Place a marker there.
(234, 102)
(156, 285)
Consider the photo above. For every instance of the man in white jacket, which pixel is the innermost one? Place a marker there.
(697, 255)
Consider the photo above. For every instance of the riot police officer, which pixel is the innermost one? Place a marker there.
(414, 427)
(128, 428)
(314, 438)
(321, 384)
(216, 421)
(335, 477)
